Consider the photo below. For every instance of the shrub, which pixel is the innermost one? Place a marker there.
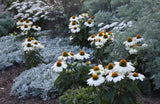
(6, 24)
(93, 6)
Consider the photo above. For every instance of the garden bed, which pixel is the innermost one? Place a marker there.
(79, 52)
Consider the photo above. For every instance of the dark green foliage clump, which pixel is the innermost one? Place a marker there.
(7, 24)
(78, 96)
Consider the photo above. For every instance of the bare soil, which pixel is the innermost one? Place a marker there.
(6, 81)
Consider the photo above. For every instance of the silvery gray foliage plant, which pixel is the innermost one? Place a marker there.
(6, 24)
(11, 52)
(38, 81)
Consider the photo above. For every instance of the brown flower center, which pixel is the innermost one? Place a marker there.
(138, 36)
(89, 21)
(71, 53)
(25, 26)
(75, 28)
(65, 54)
(105, 36)
(93, 36)
(82, 53)
(96, 68)
(73, 22)
(92, 17)
(135, 74)
(30, 38)
(114, 74)
(99, 40)
(73, 17)
(29, 45)
(109, 66)
(100, 34)
(27, 21)
(35, 42)
(59, 64)
(129, 39)
(21, 20)
(95, 77)
(36, 26)
(123, 63)
(109, 33)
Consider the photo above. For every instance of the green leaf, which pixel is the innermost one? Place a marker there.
(57, 80)
(109, 95)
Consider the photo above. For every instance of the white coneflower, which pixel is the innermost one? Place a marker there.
(97, 70)
(99, 43)
(28, 47)
(135, 76)
(71, 55)
(100, 34)
(108, 69)
(123, 67)
(20, 22)
(59, 66)
(25, 28)
(73, 18)
(73, 24)
(105, 38)
(27, 22)
(28, 40)
(92, 18)
(71, 37)
(82, 55)
(89, 23)
(36, 27)
(84, 14)
(64, 56)
(95, 80)
(129, 42)
(37, 44)
(115, 77)
(138, 38)
(75, 29)
(92, 37)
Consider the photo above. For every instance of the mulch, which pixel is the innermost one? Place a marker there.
(6, 81)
